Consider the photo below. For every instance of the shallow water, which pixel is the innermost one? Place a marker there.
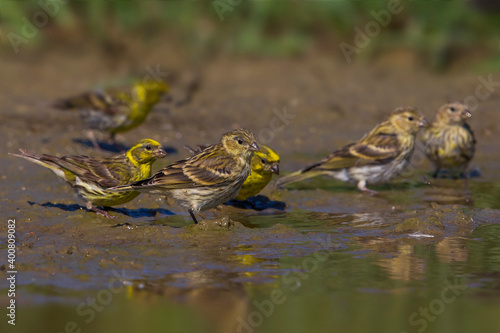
(301, 269)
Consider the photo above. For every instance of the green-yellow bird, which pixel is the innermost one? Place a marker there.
(265, 163)
(449, 141)
(115, 110)
(91, 177)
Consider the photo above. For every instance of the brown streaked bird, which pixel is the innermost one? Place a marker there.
(449, 141)
(92, 177)
(265, 163)
(206, 179)
(376, 158)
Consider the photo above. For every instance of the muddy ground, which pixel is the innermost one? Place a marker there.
(397, 243)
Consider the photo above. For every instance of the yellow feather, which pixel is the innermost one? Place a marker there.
(260, 174)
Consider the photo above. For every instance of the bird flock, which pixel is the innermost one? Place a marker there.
(238, 167)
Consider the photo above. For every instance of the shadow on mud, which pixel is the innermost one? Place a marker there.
(258, 202)
(136, 213)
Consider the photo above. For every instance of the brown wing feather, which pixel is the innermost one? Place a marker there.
(171, 177)
(108, 102)
(106, 172)
(380, 148)
(210, 167)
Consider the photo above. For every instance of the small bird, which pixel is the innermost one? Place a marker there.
(92, 177)
(265, 162)
(115, 110)
(206, 179)
(449, 141)
(376, 158)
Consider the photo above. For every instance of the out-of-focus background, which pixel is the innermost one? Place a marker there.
(440, 35)
(307, 77)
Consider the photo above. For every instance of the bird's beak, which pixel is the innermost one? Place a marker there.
(466, 114)
(275, 168)
(160, 153)
(423, 123)
(253, 147)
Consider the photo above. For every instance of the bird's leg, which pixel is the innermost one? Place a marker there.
(91, 135)
(362, 187)
(104, 213)
(192, 216)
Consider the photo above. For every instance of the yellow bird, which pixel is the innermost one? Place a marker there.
(91, 177)
(265, 163)
(115, 110)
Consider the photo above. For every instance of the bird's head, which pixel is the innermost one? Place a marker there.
(407, 119)
(146, 151)
(266, 160)
(150, 91)
(240, 142)
(453, 114)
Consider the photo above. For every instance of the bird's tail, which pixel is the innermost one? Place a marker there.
(70, 103)
(38, 159)
(93, 100)
(297, 177)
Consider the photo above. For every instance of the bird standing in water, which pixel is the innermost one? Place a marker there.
(449, 141)
(376, 158)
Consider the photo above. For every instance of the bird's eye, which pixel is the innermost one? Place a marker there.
(240, 141)
(148, 147)
(452, 109)
(263, 160)
(410, 118)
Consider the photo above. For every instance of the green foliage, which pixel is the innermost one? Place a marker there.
(434, 29)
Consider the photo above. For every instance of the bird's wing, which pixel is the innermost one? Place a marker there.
(105, 172)
(108, 102)
(209, 167)
(379, 149)
(468, 150)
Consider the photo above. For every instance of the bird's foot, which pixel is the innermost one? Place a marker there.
(370, 192)
(362, 187)
(103, 213)
(99, 211)
(95, 144)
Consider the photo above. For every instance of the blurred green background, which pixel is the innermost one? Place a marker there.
(441, 33)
